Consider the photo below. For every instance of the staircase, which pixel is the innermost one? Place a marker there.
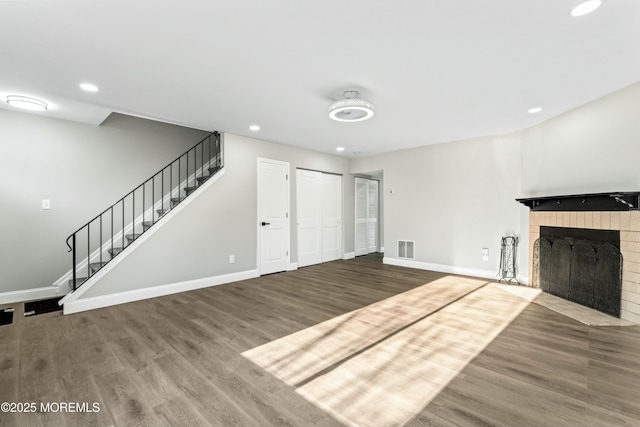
(111, 232)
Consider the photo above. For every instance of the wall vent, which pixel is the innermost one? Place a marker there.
(406, 249)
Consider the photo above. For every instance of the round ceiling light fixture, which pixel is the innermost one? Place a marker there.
(351, 108)
(26, 103)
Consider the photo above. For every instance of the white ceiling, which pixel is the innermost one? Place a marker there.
(437, 71)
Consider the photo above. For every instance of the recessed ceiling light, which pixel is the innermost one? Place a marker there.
(586, 7)
(351, 109)
(534, 110)
(26, 103)
(254, 128)
(340, 149)
(88, 87)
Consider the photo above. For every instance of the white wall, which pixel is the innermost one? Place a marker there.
(222, 221)
(82, 169)
(453, 199)
(592, 149)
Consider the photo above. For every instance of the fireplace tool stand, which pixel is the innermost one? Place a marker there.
(508, 270)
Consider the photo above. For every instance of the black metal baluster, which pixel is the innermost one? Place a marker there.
(133, 216)
(88, 250)
(112, 230)
(100, 242)
(73, 260)
(153, 197)
(144, 197)
(162, 190)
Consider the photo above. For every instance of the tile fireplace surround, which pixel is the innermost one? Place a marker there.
(627, 222)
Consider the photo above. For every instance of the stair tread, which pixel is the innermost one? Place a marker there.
(97, 263)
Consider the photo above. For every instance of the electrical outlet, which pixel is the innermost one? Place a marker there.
(46, 204)
(485, 254)
(232, 259)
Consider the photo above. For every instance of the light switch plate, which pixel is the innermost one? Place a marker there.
(46, 204)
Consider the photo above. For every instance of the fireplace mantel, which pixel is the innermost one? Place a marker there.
(600, 202)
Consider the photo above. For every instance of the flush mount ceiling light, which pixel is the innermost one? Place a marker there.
(26, 103)
(585, 7)
(351, 109)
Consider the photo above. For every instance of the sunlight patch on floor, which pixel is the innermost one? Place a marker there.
(381, 364)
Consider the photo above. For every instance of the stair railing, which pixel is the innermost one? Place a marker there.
(110, 232)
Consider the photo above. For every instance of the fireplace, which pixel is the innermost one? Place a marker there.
(615, 214)
(581, 265)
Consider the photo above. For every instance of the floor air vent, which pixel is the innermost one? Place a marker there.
(406, 249)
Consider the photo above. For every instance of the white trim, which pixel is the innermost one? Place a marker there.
(451, 269)
(28, 295)
(349, 255)
(81, 266)
(154, 291)
(381, 249)
(136, 243)
(292, 266)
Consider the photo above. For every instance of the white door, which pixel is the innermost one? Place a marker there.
(319, 217)
(308, 190)
(331, 217)
(366, 216)
(273, 216)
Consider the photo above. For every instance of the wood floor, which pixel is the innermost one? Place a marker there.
(202, 357)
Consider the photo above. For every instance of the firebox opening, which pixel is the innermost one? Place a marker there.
(580, 265)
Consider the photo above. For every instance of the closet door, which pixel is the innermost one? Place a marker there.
(366, 229)
(331, 208)
(309, 189)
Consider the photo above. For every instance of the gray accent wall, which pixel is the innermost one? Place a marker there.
(221, 221)
(82, 169)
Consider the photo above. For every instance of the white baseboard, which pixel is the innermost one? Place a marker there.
(292, 266)
(84, 304)
(349, 255)
(441, 268)
(28, 294)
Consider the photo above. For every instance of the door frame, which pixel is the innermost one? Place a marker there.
(258, 213)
